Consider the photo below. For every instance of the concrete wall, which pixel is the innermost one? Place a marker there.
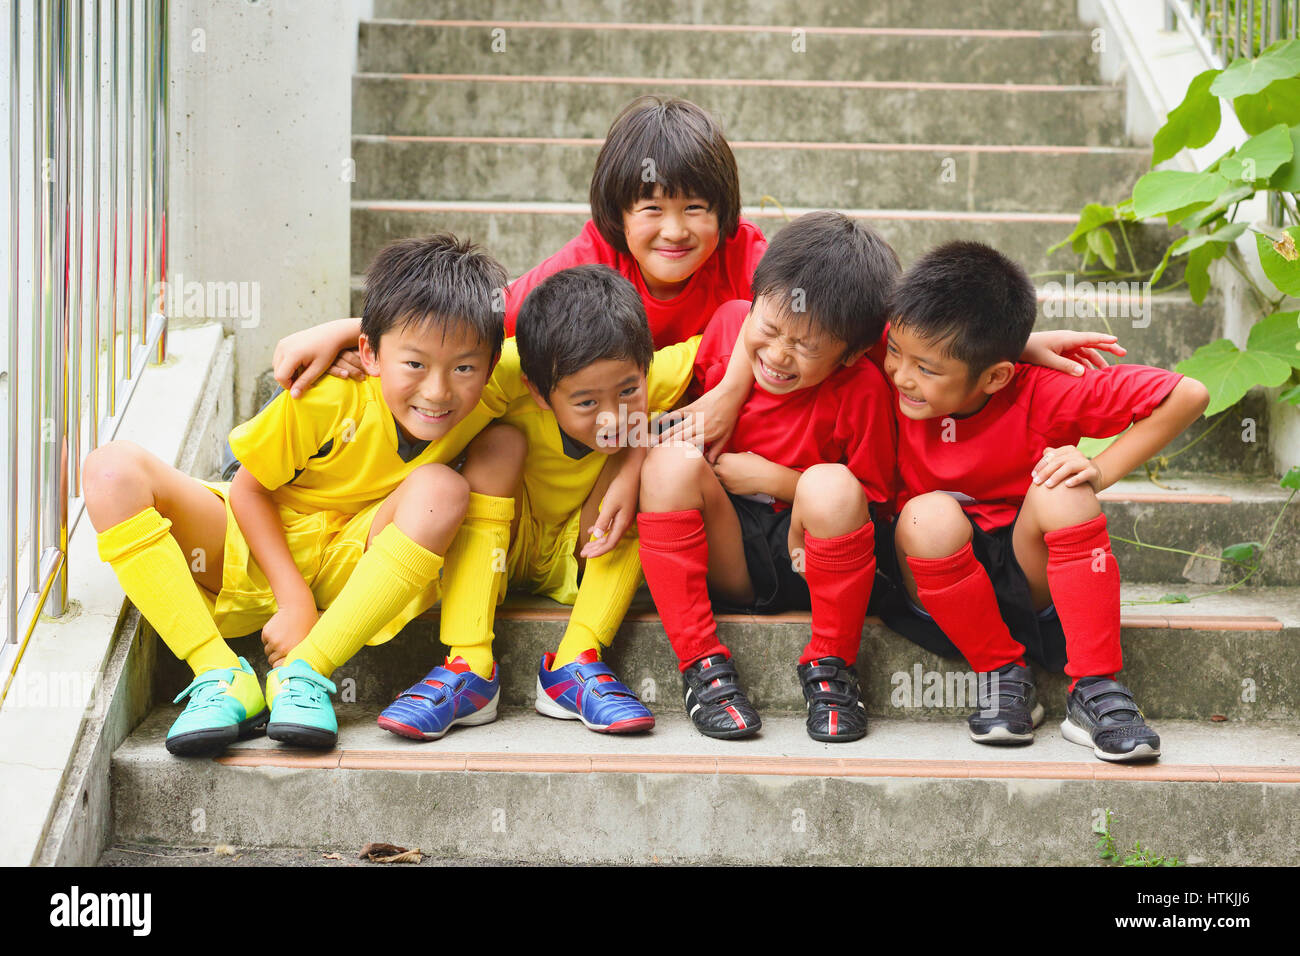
(261, 104)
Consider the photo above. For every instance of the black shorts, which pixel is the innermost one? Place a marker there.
(1039, 632)
(777, 585)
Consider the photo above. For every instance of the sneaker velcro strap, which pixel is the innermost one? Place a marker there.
(710, 695)
(609, 688)
(435, 694)
(1106, 707)
(826, 672)
(207, 677)
(833, 697)
(1091, 692)
(321, 681)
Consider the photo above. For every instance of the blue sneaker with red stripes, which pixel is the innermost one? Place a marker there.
(587, 690)
(716, 704)
(450, 694)
(836, 713)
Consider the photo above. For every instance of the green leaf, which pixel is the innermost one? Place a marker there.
(1282, 272)
(1287, 178)
(1092, 216)
(1092, 447)
(1101, 243)
(1291, 396)
(1227, 234)
(1280, 103)
(1291, 479)
(1242, 553)
(1260, 156)
(1176, 599)
(1250, 75)
(1217, 208)
(1193, 122)
(1165, 190)
(1230, 373)
(1198, 270)
(1164, 264)
(1277, 335)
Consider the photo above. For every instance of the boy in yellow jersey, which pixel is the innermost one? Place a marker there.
(579, 380)
(344, 501)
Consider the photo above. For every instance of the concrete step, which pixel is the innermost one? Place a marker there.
(1213, 645)
(1024, 14)
(528, 788)
(989, 178)
(521, 234)
(823, 111)
(742, 51)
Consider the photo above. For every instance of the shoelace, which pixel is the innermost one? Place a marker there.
(306, 689)
(206, 690)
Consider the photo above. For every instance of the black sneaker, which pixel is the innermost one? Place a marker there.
(717, 705)
(1009, 708)
(835, 709)
(1100, 713)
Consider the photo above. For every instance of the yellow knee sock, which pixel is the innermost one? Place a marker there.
(475, 581)
(391, 572)
(153, 572)
(608, 583)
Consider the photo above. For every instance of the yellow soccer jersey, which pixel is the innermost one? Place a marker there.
(557, 483)
(337, 448)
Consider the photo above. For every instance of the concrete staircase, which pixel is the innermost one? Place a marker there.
(980, 120)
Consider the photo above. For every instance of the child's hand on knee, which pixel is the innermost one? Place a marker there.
(1069, 465)
(287, 628)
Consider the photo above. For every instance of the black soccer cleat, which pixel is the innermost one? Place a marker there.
(1100, 713)
(836, 713)
(1009, 708)
(717, 705)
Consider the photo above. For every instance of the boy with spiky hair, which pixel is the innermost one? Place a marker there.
(1000, 550)
(784, 519)
(580, 380)
(343, 501)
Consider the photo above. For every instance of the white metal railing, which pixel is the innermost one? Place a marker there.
(87, 240)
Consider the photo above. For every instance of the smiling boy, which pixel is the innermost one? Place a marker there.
(343, 501)
(783, 520)
(1000, 550)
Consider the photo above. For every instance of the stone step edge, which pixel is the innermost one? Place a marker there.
(594, 25)
(763, 144)
(914, 85)
(788, 766)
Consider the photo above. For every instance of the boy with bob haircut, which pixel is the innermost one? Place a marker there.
(1000, 547)
(579, 377)
(343, 501)
(784, 519)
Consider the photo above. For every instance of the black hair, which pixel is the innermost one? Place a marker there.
(435, 280)
(663, 141)
(969, 299)
(576, 317)
(833, 270)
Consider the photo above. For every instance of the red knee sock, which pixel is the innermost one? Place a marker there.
(957, 593)
(675, 561)
(839, 572)
(1084, 580)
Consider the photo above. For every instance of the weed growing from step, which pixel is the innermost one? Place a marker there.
(1138, 856)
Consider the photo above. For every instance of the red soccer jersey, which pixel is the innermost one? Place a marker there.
(986, 460)
(846, 420)
(724, 276)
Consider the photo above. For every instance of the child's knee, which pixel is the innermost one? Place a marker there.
(830, 494)
(504, 445)
(1062, 506)
(112, 474)
(441, 492)
(932, 526)
(670, 474)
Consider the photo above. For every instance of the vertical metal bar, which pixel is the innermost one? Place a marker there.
(97, 148)
(76, 33)
(1250, 30)
(146, 169)
(15, 262)
(1223, 31)
(1171, 18)
(129, 207)
(163, 132)
(54, 473)
(1236, 17)
(115, 210)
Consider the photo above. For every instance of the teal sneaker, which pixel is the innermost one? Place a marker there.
(225, 705)
(301, 712)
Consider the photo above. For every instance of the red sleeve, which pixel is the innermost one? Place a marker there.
(717, 344)
(744, 249)
(865, 428)
(1098, 404)
(586, 247)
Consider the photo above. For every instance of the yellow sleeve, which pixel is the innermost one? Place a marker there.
(277, 442)
(506, 383)
(670, 373)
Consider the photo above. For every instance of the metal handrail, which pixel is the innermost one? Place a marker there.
(73, 404)
(1232, 30)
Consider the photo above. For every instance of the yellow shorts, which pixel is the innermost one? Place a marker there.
(541, 556)
(325, 545)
